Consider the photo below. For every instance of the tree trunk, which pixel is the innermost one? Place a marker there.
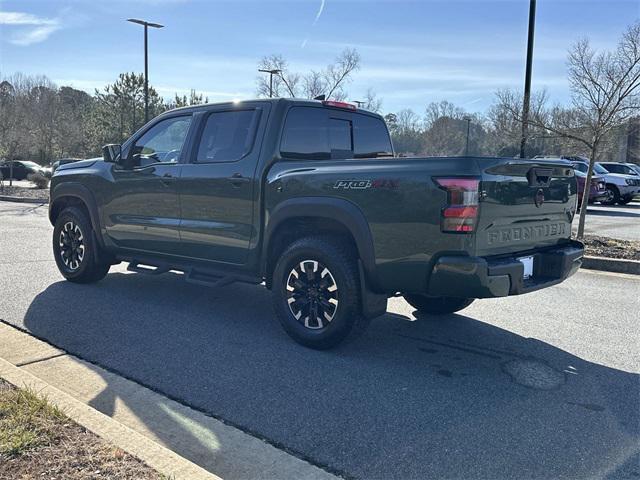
(587, 190)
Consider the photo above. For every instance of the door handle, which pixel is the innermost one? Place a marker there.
(237, 179)
(167, 179)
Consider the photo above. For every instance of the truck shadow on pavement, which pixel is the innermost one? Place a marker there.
(412, 398)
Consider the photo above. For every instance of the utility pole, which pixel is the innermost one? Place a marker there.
(468, 120)
(527, 78)
(271, 73)
(146, 61)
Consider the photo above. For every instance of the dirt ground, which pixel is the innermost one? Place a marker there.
(26, 192)
(611, 247)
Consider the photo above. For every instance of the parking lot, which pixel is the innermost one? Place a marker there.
(546, 383)
(621, 222)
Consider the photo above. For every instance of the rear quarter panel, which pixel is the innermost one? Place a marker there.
(397, 197)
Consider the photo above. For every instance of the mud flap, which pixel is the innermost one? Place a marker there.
(373, 304)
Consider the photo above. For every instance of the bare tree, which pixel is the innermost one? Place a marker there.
(329, 82)
(285, 83)
(372, 102)
(605, 94)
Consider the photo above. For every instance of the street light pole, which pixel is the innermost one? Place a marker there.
(271, 73)
(146, 26)
(527, 78)
(468, 120)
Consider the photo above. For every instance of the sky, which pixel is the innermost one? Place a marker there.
(413, 52)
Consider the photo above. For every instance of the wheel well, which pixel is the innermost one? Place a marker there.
(294, 228)
(63, 202)
(613, 186)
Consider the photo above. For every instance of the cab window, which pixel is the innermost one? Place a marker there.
(161, 143)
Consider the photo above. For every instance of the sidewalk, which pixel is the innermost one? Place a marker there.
(168, 436)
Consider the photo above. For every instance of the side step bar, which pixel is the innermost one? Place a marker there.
(147, 269)
(191, 274)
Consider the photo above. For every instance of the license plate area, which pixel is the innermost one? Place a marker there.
(527, 262)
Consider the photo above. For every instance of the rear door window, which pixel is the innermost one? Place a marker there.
(227, 136)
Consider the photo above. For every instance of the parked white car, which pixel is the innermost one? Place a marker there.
(621, 188)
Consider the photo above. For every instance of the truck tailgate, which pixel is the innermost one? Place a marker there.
(524, 204)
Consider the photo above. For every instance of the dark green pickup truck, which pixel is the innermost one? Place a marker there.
(308, 197)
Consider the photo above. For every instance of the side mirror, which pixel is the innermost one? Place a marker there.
(112, 152)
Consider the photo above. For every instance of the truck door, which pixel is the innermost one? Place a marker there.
(217, 188)
(141, 208)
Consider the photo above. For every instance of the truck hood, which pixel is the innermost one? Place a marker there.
(618, 178)
(80, 164)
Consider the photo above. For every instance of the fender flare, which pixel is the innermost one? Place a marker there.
(77, 190)
(338, 209)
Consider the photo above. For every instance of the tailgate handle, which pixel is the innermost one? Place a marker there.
(539, 177)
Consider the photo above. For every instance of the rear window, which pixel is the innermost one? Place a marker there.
(371, 138)
(322, 133)
(340, 138)
(305, 134)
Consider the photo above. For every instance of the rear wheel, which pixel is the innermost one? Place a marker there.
(613, 195)
(437, 305)
(316, 292)
(75, 248)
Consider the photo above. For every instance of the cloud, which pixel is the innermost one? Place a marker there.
(33, 29)
(320, 10)
(315, 20)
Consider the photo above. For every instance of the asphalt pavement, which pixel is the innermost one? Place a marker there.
(615, 221)
(544, 385)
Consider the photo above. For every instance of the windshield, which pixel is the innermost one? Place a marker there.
(30, 164)
(597, 168)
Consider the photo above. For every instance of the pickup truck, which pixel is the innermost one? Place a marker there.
(308, 198)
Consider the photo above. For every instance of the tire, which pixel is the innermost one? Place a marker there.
(625, 200)
(437, 305)
(75, 248)
(613, 195)
(320, 271)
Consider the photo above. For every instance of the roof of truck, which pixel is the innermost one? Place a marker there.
(297, 101)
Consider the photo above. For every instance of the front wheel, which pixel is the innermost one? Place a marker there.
(75, 248)
(437, 305)
(316, 292)
(613, 195)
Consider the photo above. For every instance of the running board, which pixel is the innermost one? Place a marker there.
(147, 269)
(200, 278)
(191, 274)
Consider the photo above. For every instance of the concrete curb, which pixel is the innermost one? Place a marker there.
(7, 198)
(153, 454)
(611, 265)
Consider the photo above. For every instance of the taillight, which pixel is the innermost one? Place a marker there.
(461, 212)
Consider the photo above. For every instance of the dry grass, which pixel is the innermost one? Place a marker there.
(38, 441)
(611, 247)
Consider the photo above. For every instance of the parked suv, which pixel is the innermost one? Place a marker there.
(620, 188)
(307, 197)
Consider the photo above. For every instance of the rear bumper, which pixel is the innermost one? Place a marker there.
(486, 277)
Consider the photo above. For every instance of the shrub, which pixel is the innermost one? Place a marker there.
(40, 181)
